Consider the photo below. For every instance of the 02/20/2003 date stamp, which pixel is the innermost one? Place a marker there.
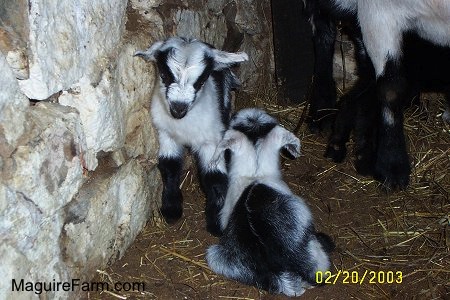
(356, 277)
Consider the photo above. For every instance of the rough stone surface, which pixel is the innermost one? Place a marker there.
(13, 35)
(37, 180)
(78, 176)
(82, 160)
(229, 25)
(115, 106)
(13, 106)
(131, 189)
(70, 40)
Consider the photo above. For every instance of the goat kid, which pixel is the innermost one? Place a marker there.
(384, 25)
(269, 240)
(191, 109)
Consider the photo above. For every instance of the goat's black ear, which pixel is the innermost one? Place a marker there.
(151, 52)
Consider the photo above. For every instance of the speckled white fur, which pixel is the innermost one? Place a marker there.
(253, 164)
(201, 129)
(384, 21)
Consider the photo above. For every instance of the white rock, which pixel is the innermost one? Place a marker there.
(29, 245)
(69, 40)
(101, 115)
(47, 165)
(18, 61)
(123, 199)
(106, 110)
(13, 106)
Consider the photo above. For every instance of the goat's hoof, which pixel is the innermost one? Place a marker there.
(314, 127)
(212, 219)
(321, 125)
(364, 165)
(335, 152)
(171, 214)
(396, 177)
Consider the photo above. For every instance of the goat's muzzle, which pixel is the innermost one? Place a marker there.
(178, 109)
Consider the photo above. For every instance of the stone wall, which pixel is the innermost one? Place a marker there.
(243, 25)
(78, 176)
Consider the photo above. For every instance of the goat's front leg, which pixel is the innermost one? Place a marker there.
(170, 165)
(323, 98)
(355, 99)
(383, 41)
(214, 183)
(365, 132)
(392, 166)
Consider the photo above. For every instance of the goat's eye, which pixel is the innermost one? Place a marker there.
(198, 84)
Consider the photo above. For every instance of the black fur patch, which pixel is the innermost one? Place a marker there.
(261, 233)
(209, 66)
(253, 128)
(214, 185)
(172, 199)
(165, 73)
(392, 165)
(221, 80)
(326, 241)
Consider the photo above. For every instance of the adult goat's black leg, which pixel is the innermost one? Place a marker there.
(352, 101)
(366, 132)
(323, 97)
(392, 166)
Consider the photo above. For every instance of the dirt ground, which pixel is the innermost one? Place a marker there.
(405, 232)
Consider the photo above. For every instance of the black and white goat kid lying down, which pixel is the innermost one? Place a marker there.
(269, 239)
(383, 85)
(191, 109)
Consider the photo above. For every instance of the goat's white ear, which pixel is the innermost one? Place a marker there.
(225, 59)
(290, 146)
(149, 54)
(232, 140)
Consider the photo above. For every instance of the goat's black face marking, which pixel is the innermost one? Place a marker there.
(209, 66)
(165, 73)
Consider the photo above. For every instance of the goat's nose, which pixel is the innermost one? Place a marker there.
(178, 109)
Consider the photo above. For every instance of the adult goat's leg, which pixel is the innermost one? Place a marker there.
(392, 166)
(323, 97)
(353, 99)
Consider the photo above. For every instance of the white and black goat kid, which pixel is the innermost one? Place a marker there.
(386, 33)
(269, 239)
(191, 109)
